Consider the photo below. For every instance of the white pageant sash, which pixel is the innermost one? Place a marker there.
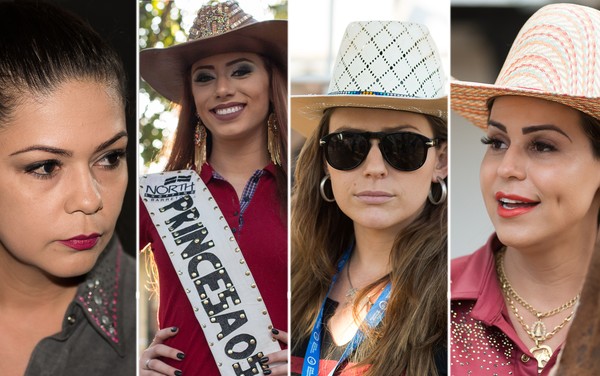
(212, 270)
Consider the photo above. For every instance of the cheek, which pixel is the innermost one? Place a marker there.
(573, 187)
(340, 184)
(24, 217)
(200, 96)
(487, 175)
(113, 193)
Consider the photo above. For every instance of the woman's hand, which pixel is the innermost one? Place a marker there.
(280, 358)
(151, 365)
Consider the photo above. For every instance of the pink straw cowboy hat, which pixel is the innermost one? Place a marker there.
(380, 64)
(556, 56)
(217, 29)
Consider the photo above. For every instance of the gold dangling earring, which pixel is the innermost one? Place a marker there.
(200, 145)
(273, 139)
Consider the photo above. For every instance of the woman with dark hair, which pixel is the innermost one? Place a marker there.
(216, 219)
(369, 210)
(67, 290)
(516, 296)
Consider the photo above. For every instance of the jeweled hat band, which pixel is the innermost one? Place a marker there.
(388, 58)
(218, 19)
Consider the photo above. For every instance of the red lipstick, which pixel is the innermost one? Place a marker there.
(82, 242)
(510, 205)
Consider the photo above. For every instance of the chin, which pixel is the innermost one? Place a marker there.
(75, 266)
(518, 237)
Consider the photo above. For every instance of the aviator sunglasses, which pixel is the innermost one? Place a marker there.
(404, 151)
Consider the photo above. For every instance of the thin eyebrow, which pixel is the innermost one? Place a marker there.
(545, 127)
(66, 153)
(228, 64)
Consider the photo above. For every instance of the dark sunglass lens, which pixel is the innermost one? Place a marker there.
(346, 151)
(404, 151)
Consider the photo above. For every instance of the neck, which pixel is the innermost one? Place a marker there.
(371, 256)
(560, 268)
(24, 286)
(233, 158)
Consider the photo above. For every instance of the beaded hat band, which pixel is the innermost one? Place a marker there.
(217, 29)
(555, 56)
(380, 64)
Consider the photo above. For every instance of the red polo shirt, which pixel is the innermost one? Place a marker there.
(482, 338)
(261, 233)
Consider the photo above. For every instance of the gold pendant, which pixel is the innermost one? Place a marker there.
(539, 331)
(542, 354)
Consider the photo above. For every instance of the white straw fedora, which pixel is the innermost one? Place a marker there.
(556, 56)
(218, 28)
(380, 64)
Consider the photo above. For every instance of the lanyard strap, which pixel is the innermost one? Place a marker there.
(373, 318)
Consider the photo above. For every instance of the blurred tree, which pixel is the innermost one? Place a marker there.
(160, 26)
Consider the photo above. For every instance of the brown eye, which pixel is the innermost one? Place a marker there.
(43, 169)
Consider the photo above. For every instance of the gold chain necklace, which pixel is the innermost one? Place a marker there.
(537, 332)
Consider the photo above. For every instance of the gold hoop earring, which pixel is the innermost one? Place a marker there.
(273, 139)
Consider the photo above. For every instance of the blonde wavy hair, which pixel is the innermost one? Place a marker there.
(415, 323)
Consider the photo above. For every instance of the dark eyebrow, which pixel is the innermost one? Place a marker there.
(545, 127)
(66, 153)
(228, 64)
(497, 125)
(47, 149)
(238, 61)
(114, 139)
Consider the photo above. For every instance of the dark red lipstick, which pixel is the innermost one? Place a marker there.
(82, 242)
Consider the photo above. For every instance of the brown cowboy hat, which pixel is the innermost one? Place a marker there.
(217, 29)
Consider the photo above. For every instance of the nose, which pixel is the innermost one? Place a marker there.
(513, 164)
(374, 164)
(224, 87)
(83, 194)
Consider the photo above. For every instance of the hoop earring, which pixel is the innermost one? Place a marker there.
(444, 194)
(273, 139)
(322, 189)
(200, 145)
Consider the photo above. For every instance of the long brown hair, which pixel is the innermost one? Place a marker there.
(182, 152)
(415, 323)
